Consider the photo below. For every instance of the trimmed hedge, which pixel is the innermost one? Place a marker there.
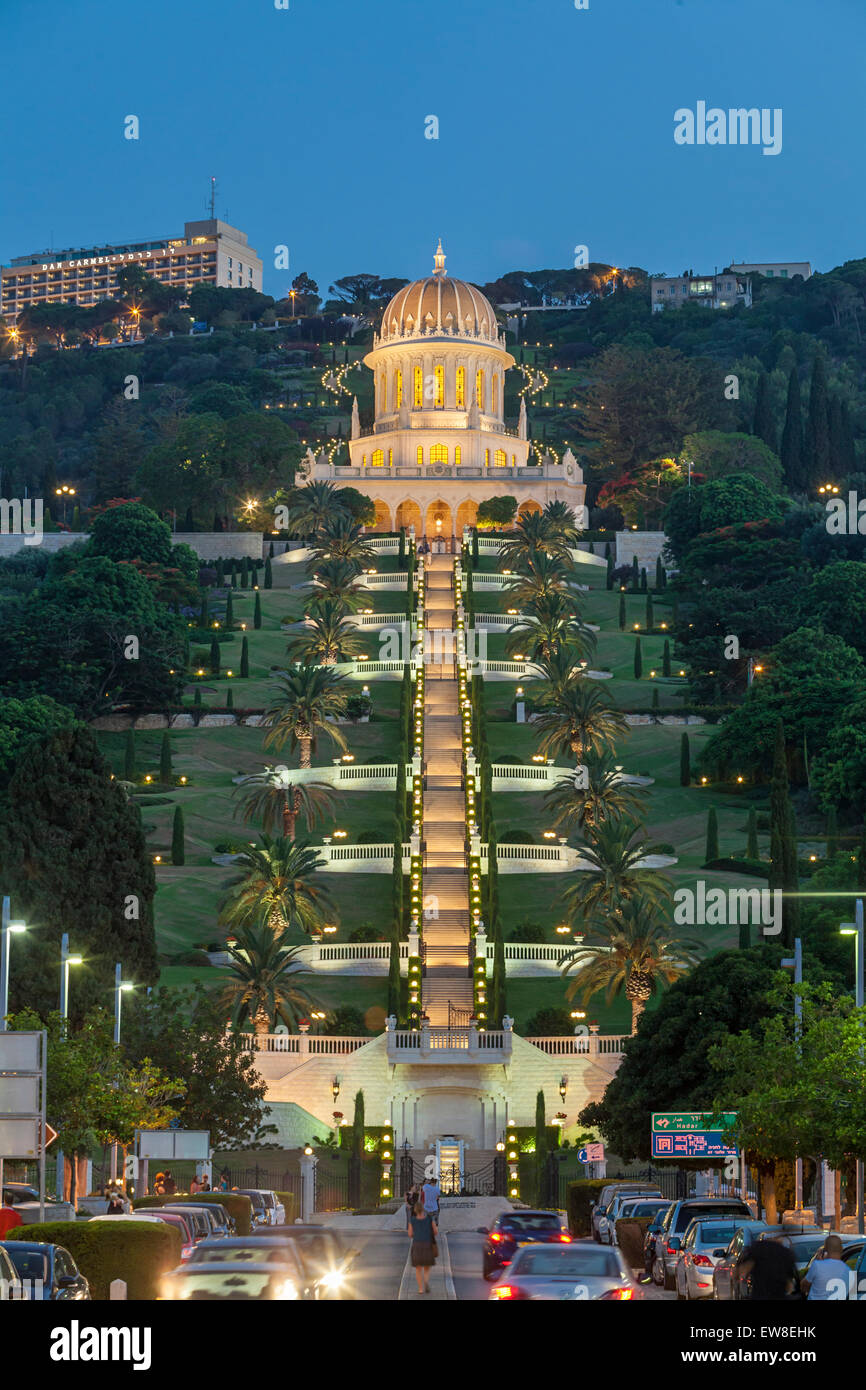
(757, 868)
(240, 1208)
(139, 1252)
(581, 1195)
(288, 1201)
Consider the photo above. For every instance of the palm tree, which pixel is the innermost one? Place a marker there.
(638, 954)
(262, 985)
(581, 720)
(335, 579)
(312, 506)
(273, 799)
(275, 883)
(531, 537)
(615, 852)
(561, 521)
(339, 537)
(329, 637)
(306, 700)
(539, 576)
(606, 796)
(549, 624)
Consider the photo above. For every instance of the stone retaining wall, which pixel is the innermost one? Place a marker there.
(208, 545)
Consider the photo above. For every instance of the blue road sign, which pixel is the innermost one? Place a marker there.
(702, 1143)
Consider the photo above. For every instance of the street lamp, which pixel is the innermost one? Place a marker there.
(8, 928)
(563, 1087)
(855, 929)
(121, 986)
(65, 961)
(335, 1087)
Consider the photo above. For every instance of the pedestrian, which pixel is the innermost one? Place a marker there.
(159, 1185)
(10, 1219)
(829, 1275)
(423, 1231)
(224, 1180)
(194, 1186)
(169, 1183)
(772, 1271)
(205, 1183)
(411, 1199)
(430, 1197)
(115, 1205)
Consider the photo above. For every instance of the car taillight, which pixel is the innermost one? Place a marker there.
(495, 1236)
(617, 1295)
(671, 1249)
(564, 1237)
(507, 1291)
(702, 1260)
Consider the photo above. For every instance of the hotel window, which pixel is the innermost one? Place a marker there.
(419, 455)
(479, 389)
(460, 384)
(458, 454)
(439, 453)
(495, 394)
(500, 458)
(439, 374)
(398, 389)
(378, 458)
(418, 387)
(486, 458)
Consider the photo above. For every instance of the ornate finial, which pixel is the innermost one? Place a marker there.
(439, 260)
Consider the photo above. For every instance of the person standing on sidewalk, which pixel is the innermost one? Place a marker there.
(423, 1251)
(430, 1197)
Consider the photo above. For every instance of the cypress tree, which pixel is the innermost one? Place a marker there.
(499, 981)
(635, 575)
(214, 657)
(818, 428)
(475, 550)
(394, 975)
(763, 424)
(220, 573)
(177, 837)
(655, 702)
(401, 549)
(643, 583)
(638, 660)
(608, 552)
(660, 573)
(358, 1127)
(196, 699)
(233, 579)
(848, 460)
(188, 521)
(245, 573)
(650, 621)
(712, 837)
(230, 612)
(166, 774)
(245, 659)
(609, 572)
(269, 574)
(257, 611)
(622, 611)
(836, 446)
(592, 547)
(685, 762)
(230, 699)
(832, 833)
(745, 932)
(666, 658)
(271, 551)
(129, 768)
(540, 1146)
(204, 613)
(752, 848)
(783, 840)
(792, 436)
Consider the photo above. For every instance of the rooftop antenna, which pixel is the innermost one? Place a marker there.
(212, 195)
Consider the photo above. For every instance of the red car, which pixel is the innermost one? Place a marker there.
(514, 1229)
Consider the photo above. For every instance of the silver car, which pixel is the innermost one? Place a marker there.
(572, 1273)
(615, 1189)
(637, 1207)
(614, 1210)
(704, 1245)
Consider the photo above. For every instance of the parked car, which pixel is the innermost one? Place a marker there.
(677, 1220)
(274, 1209)
(606, 1193)
(640, 1208)
(9, 1282)
(729, 1281)
(256, 1249)
(613, 1211)
(651, 1235)
(183, 1224)
(46, 1272)
(704, 1244)
(218, 1220)
(16, 1192)
(514, 1229)
(802, 1241)
(260, 1207)
(228, 1280)
(324, 1258)
(567, 1272)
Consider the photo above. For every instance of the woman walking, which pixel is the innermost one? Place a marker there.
(422, 1233)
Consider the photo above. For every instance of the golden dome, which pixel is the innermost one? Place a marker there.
(440, 307)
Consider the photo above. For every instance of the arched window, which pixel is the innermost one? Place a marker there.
(458, 454)
(486, 458)
(439, 373)
(439, 453)
(495, 406)
(378, 458)
(398, 389)
(383, 393)
(418, 388)
(460, 384)
(419, 454)
(500, 458)
(479, 389)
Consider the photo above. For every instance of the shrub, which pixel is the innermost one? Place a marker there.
(138, 1252)
(581, 1196)
(550, 1023)
(239, 1208)
(374, 837)
(367, 933)
(517, 837)
(288, 1201)
(757, 867)
(528, 934)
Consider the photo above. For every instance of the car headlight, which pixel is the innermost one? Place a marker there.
(287, 1290)
(333, 1279)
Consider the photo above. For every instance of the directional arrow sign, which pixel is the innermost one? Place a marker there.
(688, 1122)
(50, 1136)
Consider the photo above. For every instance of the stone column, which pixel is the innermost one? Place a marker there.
(308, 1186)
(483, 1123)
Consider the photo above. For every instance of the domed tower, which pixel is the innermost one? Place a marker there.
(439, 363)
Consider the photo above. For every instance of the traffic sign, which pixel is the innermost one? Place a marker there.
(50, 1136)
(688, 1122)
(593, 1153)
(686, 1134)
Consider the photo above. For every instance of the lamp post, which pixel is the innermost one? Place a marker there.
(66, 959)
(795, 963)
(120, 986)
(855, 929)
(8, 928)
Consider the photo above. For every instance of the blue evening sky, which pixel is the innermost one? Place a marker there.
(555, 129)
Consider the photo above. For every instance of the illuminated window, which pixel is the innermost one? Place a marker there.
(495, 394)
(479, 389)
(363, 460)
(439, 453)
(390, 458)
(439, 374)
(383, 392)
(420, 455)
(398, 389)
(500, 459)
(458, 454)
(418, 388)
(461, 388)
(378, 458)
(486, 458)
(513, 460)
